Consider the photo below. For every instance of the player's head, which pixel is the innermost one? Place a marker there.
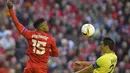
(107, 43)
(41, 25)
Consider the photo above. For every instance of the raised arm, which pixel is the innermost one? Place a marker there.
(18, 25)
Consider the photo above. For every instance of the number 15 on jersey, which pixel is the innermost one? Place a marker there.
(40, 45)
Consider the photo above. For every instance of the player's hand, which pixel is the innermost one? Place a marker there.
(78, 72)
(9, 4)
(77, 63)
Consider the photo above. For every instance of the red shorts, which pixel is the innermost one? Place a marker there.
(34, 70)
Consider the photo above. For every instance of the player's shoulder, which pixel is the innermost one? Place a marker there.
(48, 35)
(51, 38)
(32, 31)
(108, 57)
(103, 58)
(101, 61)
(111, 55)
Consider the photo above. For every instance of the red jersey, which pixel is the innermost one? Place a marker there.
(40, 45)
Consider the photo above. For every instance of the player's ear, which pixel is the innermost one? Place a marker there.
(106, 46)
(38, 28)
(45, 22)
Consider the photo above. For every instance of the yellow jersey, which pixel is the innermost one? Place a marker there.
(106, 63)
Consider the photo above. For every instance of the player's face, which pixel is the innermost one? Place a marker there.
(102, 46)
(44, 27)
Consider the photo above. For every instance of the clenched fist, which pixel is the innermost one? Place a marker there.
(9, 4)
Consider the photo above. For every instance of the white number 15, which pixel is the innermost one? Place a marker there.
(40, 45)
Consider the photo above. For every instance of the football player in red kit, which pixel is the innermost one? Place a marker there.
(40, 44)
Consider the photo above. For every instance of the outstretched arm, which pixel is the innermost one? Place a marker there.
(18, 25)
(83, 63)
(91, 67)
(86, 70)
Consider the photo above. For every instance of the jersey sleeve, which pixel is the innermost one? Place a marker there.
(54, 49)
(18, 25)
(100, 62)
(26, 33)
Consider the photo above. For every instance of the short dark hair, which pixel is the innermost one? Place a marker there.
(38, 22)
(108, 41)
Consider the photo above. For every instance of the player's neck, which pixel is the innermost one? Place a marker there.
(108, 51)
(39, 30)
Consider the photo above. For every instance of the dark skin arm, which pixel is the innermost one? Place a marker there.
(18, 25)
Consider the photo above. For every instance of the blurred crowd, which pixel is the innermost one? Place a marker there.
(65, 18)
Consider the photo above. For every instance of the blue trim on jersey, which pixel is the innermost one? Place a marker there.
(96, 65)
(25, 30)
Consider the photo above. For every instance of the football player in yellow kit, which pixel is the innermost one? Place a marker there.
(104, 64)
